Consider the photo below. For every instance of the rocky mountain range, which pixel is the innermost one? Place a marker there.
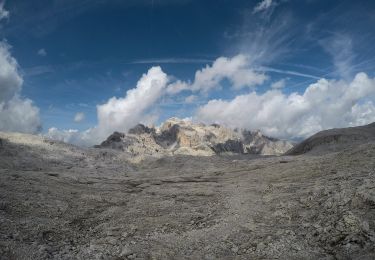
(182, 137)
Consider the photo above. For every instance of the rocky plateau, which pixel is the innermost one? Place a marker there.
(317, 201)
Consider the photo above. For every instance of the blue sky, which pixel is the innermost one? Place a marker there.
(74, 55)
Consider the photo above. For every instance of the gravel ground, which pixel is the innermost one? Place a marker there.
(61, 202)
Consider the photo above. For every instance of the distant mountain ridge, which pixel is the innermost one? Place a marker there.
(336, 139)
(177, 136)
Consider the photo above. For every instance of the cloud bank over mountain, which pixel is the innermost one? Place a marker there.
(324, 104)
(123, 113)
(120, 114)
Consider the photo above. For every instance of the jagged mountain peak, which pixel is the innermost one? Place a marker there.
(181, 136)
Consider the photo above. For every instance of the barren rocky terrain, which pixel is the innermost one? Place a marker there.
(58, 201)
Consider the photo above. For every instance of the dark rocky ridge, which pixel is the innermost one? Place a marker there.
(141, 129)
(335, 140)
(233, 146)
(168, 136)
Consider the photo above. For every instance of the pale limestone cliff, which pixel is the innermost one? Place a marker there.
(177, 136)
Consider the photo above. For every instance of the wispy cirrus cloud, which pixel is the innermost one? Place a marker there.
(340, 47)
(172, 61)
(288, 72)
(262, 6)
(37, 70)
(278, 84)
(4, 14)
(265, 39)
(79, 117)
(78, 65)
(42, 52)
(49, 15)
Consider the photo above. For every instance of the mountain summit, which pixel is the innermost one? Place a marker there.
(178, 136)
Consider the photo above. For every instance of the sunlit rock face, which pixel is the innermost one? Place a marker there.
(177, 136)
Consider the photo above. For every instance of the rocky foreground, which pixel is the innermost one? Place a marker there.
(58, 201)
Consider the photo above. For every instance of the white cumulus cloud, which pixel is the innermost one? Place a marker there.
(237, 70)
(19, 115)
(278, 84)
(191, 99)
(71, 136)
(16, 113)
(324, 104)
(120, 114)
(10, 78)
(79, 117)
